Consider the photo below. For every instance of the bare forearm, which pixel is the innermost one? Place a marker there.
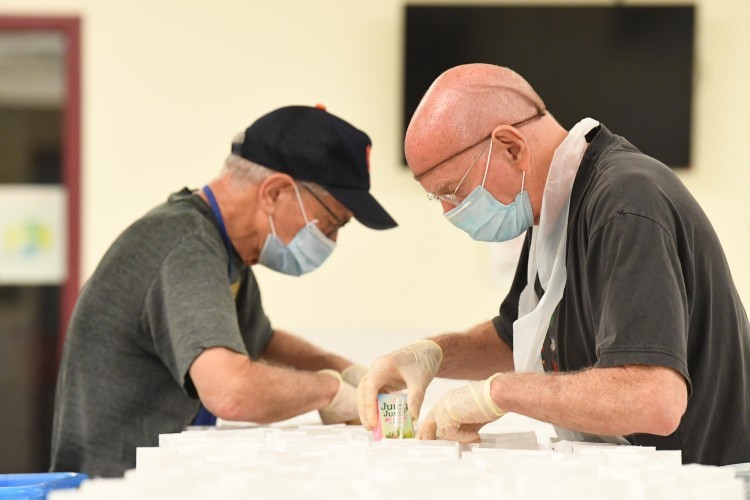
(475, 354)
(300, 354)
(282, 393)
(607, 401)
(233, 387)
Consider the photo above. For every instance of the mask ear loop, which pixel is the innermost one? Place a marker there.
(273, 228)
(487, 166)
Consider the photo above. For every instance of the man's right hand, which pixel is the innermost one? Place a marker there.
(343, 406)
(412, 368)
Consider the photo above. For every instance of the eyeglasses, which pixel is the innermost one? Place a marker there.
(451, 197)
(540, 112)
(339, 223)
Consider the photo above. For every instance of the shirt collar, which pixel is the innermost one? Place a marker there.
(599, 139)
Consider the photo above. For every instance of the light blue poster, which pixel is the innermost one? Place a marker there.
(33, 234)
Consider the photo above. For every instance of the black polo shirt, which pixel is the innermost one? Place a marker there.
(648, 284)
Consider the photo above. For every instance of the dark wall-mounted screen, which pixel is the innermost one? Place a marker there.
(630, 67)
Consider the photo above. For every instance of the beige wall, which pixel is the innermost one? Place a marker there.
(168, 82)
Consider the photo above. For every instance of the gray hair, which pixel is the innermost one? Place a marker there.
(242, 170)
(245, 171)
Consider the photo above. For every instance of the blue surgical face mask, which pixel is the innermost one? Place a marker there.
(484, 218)
(307, 251)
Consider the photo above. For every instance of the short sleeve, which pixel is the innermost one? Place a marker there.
(635, 285)
(255, 327)
(189, 308)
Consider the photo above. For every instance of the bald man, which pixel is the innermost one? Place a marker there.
(622, 323)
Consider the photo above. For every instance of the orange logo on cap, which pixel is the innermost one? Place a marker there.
(367, 157)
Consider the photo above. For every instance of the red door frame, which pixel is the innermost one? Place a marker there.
(70, 27)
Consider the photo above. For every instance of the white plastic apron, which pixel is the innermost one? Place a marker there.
(547, 257)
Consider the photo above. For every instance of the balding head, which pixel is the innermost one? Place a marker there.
(463, 106)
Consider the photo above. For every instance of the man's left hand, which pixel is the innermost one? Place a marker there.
(460, 413)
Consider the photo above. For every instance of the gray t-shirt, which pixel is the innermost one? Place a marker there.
(159, 297)
(648, 284)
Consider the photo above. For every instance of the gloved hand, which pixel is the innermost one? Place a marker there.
(353, 374)
(460, 413)
(343, 406)
(412, 367)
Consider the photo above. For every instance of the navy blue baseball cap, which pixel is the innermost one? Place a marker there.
(310, 144)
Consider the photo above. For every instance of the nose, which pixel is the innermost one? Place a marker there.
(333, 235)
(447, 206)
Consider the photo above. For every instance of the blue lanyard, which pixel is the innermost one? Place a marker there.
(222, 227)
(205, 417)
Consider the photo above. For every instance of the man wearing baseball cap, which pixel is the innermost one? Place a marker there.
(170, 330)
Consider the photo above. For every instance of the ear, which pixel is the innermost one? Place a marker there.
(513, 146)
(271, 191)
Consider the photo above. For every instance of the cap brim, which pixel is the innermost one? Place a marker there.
(365, 208)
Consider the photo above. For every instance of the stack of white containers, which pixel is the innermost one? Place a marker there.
(342, 462)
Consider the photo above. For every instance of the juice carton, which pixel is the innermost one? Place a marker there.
(394, 419)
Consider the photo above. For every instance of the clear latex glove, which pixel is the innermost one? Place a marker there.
(412, 368)
(353, 374)
(460, 413)
(343, 406)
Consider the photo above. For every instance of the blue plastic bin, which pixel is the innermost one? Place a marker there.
(36, 486)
